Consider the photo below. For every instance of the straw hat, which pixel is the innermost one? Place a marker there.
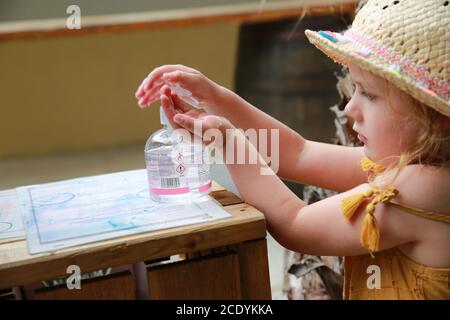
(406, 42)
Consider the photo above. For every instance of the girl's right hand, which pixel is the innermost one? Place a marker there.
(203, 90)
(181, 115)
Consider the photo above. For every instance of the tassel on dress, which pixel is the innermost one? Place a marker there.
(370, 233)
(350, 204)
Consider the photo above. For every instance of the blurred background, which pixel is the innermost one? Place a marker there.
(67, 104)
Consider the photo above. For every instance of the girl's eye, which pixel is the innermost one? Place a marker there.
(369, 96)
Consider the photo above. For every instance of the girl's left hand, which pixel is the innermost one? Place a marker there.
(180, 115)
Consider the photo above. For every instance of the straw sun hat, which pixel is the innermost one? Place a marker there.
(406, 42)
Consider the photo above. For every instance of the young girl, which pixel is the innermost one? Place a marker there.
(391, 220)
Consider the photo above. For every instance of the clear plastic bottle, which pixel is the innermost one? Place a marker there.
(177, 170)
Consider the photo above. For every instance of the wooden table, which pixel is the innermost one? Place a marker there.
(223, 259)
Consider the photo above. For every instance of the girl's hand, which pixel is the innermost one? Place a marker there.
(202, 89)
(180, 115)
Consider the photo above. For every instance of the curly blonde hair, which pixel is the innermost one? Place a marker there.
(431, 148)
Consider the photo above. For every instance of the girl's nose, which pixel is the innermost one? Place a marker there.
(351, 110)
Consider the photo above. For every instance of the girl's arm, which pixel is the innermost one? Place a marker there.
(319, 228)
(325, 165)
(321, 164)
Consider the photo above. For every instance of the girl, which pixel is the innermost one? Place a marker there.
(391, 220)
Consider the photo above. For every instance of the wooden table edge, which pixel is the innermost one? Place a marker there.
(246, 224)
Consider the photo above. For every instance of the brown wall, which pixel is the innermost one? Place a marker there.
(75, 93)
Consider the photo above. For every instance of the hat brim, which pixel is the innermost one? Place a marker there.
(346, 53)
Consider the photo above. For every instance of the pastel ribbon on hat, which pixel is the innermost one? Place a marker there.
(415, 71)
(328, 35)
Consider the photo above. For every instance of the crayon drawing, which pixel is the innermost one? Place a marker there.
(11, 225)
(78, 211)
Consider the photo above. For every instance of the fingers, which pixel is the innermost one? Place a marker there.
(176, 101)
(179, 104)
(153, 80)
(156, 75)
(191, 88)
(199, 126)
(141, 89)
(185, 121)
(186, 80)
(140, 92)
(148, 98)
(148, 90)
(165, 90)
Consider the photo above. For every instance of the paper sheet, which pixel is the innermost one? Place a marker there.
(11, 225)
(78, 211)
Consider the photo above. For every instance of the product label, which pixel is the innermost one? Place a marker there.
(176, 170)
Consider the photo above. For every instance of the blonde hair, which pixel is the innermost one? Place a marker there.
(431, 148)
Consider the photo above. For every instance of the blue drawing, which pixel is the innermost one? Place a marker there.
(5, 226)
(53, 199)
(69, 213)
(143, 194)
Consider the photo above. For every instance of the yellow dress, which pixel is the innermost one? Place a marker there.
(401, 278)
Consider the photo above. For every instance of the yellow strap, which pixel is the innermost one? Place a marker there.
(370, 233)
(370, 166)
(422, 213)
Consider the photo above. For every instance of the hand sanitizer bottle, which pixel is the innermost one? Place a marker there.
(177, 170)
